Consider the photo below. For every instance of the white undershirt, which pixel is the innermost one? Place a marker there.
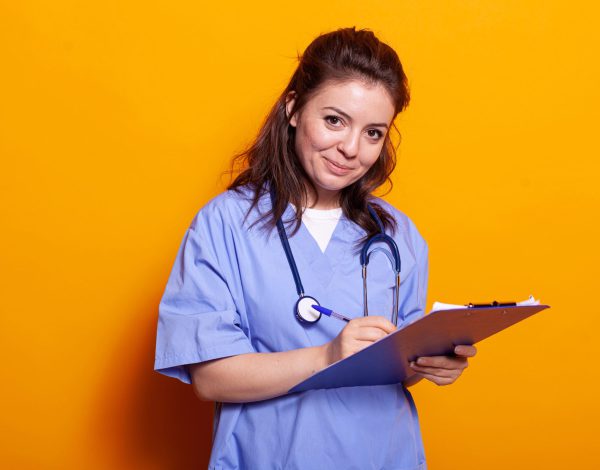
(321, 224)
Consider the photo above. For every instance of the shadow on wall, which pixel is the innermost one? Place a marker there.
(146, 420)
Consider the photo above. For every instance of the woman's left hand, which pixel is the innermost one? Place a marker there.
(444, 370)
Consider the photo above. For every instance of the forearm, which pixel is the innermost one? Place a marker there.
(256, 376)
(413, 379)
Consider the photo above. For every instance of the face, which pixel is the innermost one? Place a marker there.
(339, 135)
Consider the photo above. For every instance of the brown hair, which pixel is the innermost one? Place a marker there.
(337, 56)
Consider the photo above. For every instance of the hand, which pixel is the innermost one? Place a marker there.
(444, 370)
(357, 334)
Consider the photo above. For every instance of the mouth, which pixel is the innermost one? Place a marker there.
(337, 165)
(337, 169)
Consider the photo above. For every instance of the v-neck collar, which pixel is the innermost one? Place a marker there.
(316, 268)
(322, 265)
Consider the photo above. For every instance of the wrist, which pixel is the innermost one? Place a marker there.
(324, 356)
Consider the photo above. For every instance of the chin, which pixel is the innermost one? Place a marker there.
(328, 185)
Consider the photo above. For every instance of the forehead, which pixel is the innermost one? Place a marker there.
(356, 98)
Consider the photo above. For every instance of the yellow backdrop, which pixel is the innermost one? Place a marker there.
(116, 122)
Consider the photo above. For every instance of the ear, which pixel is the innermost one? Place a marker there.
(290, 99)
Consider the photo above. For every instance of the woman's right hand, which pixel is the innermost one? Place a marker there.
(357, 334)
(262, 375)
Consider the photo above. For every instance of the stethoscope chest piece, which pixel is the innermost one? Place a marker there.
(304, 311)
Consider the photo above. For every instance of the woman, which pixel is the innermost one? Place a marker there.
(226, 321)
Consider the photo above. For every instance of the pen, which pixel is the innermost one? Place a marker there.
(495, 303)
(330, 313)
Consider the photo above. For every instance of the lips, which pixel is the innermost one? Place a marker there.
(341, 167)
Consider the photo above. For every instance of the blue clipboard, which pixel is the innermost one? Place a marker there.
(387, 361)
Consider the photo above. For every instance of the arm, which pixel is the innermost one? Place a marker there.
(412, 380)
(255, 376)
(260, 376)
(441, 370)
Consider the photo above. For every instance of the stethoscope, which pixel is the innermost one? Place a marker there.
(303, 309)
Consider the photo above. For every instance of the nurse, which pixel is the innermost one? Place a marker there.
(226, 320)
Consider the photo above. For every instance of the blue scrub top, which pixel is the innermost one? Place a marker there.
(231, 292)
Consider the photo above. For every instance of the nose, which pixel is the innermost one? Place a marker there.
(350, 143)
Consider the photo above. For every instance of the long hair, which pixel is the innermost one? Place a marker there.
(271, 161)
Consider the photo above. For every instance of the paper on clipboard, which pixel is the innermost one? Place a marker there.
(387, 361)
(443, 306)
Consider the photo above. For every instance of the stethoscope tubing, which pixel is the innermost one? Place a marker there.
(364, 261)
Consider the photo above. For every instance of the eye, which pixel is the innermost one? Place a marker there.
(333, 120)
(375, 133)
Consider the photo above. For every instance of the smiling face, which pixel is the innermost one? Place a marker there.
(339, 135)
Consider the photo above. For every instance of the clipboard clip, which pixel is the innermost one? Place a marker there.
(495, 303)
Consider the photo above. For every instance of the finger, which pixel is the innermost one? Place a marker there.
(448, 373)
(465, 350)
(437, 380)
(443, 362)
(376, 321)
(369, 333)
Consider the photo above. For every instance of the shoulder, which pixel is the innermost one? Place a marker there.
(404, 224)
(229, 208)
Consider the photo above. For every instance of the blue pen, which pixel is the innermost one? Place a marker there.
(330, 313)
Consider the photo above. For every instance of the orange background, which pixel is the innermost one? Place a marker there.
(116, 122)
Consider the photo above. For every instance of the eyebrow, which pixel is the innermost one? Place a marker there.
(337, 110)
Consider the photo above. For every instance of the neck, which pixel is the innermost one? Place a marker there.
(327, 200)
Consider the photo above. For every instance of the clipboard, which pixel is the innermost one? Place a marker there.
(386, 361)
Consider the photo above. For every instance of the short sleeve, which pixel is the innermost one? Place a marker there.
(197, 317)
(414, 292)
(423, 270)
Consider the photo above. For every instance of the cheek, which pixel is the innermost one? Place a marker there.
(317, 137)
(370, 157)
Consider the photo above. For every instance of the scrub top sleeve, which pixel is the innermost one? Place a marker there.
(418, 280)
(423, 266)
(197, 320)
